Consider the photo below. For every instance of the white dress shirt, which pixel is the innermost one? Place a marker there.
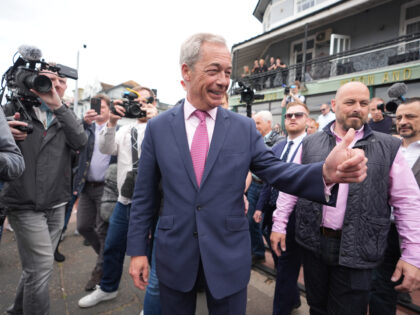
(324, 120)
(411, 153)
(119, 143)
(296, 143)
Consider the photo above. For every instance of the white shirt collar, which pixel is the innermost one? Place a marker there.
(297, 140)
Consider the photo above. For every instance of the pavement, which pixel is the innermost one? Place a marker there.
(69, 278)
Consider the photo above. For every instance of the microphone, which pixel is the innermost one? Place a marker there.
(30, 53)
(397, 90)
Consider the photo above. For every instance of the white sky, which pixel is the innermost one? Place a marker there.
(126, 40)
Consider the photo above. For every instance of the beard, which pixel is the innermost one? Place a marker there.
(353, 123)
(408, 133)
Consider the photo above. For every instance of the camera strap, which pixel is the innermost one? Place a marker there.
(134, 148)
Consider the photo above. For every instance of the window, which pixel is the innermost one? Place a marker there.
(409, 24)
(339, 43)
(302, 5)
(410, 18)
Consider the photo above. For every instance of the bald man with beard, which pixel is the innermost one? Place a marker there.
(341, 245)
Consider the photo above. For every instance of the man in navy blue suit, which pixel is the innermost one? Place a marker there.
(286, 294)
(203, 231)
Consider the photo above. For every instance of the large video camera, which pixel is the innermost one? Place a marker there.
(247, 96)
(26, 74)
(132, 108)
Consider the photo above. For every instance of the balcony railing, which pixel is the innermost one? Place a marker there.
(396, 51)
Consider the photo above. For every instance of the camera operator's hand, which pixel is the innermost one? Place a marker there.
(51, 98)
(114, 118)
(17, 134)
(150, 109)
(90, 116)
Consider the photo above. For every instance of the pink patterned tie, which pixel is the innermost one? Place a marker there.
(200, 146)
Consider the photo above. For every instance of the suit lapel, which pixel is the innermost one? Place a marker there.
(280, 148)
(416, 170)
(180, 134)
(219, 135)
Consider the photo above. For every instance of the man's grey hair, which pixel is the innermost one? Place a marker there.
(190, 49)
(265, 115)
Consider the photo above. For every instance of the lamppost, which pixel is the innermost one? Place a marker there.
(76, 90)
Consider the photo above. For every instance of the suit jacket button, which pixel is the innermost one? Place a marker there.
(195, 234)
(198, 208)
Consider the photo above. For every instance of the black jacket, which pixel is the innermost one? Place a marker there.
(46, 181)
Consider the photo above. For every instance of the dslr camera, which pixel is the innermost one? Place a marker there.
(24, 75)
(132, 108)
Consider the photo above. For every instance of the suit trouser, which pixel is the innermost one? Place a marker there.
(152, 304)
(333, 289)
(89, 222)
(184, 303)
(255, 229)
(286, 293)
(37, 234)
(383, 297)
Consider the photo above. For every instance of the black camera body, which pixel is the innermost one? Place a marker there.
(247, 93)
(132, 108)
(247, 96)
(26, 74)
(286, 90)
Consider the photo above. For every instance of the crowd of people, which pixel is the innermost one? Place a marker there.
(265, 76)
(191, 199)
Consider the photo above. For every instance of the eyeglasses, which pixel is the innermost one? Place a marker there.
(292, 86)
(297, 115)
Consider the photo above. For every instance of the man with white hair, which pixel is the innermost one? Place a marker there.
(263, 120)
(201, 154)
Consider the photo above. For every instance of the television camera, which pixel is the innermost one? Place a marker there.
(247, 96)
(26, 74)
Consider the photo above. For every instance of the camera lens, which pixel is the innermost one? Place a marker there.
(40, 83)
(134, 110)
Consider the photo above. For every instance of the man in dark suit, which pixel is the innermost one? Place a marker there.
(286, 294)
(201, 153)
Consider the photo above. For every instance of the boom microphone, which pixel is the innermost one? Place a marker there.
(397, 90)
(30, 53)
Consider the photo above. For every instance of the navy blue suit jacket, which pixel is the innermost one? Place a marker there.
(206, 221)
(265, 192)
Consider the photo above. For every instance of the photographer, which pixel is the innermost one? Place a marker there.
(35, 202)
(89, 185)
(120, 143)
(293, 95)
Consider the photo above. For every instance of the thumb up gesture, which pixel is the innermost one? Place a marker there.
(345, 165)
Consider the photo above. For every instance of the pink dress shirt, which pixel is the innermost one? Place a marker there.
(404, 196)
(191, 121)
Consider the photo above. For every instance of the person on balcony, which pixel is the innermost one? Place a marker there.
(246, 72)
(256, 67)
(281, 76)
